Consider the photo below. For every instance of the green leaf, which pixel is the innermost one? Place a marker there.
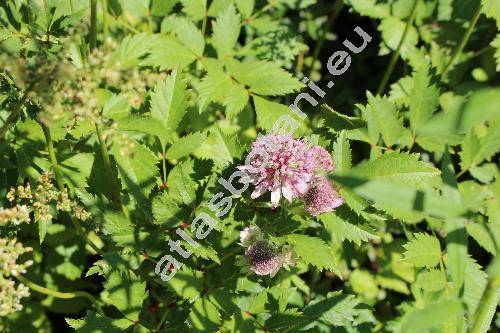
(432, 280)
(185, 145)
(387, 118)
(220, 148)
(169, 101)
(474, 284)
(126, 292)
(213, 87)
(392, 29)
(482, 234)
(402, 168)
(256, 74)
(137, 170)
(432, 316)
(131, 49)
(476, 149)
(423, 97)
(181, 185)
(314, 251)
(95, 323)
(342, 154)
(187, 283)
(491, 8)
(345, 227)
(496, 44)
(144, 124)
(189, 35)
(226, 30)
(268, 112)
(204, 316)
(196, 9)
(167, 52)
(423, 251)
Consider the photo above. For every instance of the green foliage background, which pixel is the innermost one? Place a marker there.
(138, 107)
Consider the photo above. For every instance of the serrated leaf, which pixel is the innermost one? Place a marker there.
(226, 30)
(342, 154)
(137, 170)
(496, 44)
(189, 35)
(423, 251)
(432, 316)
(185, 145)
(131, 49)
(400, 168)
(387, 118)
(314, 251)
(204, 316)
(213, 87)
(169, 101)
(256, 74)
(483, 236)
(341, 228)
(126, 292)
(166, 52)
(219, 147)
(491, 8)
(268, 112)
(196, 9)
(423, 98)
(432, 280)
(95, 323)
(181, 185)
(476, 149)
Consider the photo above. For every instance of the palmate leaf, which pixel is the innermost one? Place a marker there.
(423, 251)
(226, 31)
(399, 168)
(220, 148)
(213, 87)
(314, 251)
(181, 186)
(268, 113)
(189, 35)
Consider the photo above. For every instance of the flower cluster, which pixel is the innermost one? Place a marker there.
(292, 168)
(261, 256)
(10, 295)
(41, 202)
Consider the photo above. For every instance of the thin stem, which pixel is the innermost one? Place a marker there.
(321, 41)
(60, 185)
(93, 25)
(164, 164)
(487, 301)
(395, 55)
(58, 294)
(204, 24)
(463, 42)
(125, 24)
(104, 21)
(72, 6)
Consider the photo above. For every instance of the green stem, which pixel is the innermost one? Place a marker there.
(488, 300)
(93, 25)
(204, 24)
(463, 42)
(104, 21)
(60, 185)
(164, 164)
(72, 6)
(321, 41)
(58, 294)
(395, 55)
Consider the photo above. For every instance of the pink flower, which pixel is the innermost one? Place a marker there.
(286, 168)
(321, 197)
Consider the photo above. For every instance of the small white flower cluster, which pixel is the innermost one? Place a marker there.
(10, 295)
(39, 201)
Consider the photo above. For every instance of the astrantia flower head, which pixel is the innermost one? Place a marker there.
(321, 197)
(261, 256)
(286, 167)
(264, 259)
